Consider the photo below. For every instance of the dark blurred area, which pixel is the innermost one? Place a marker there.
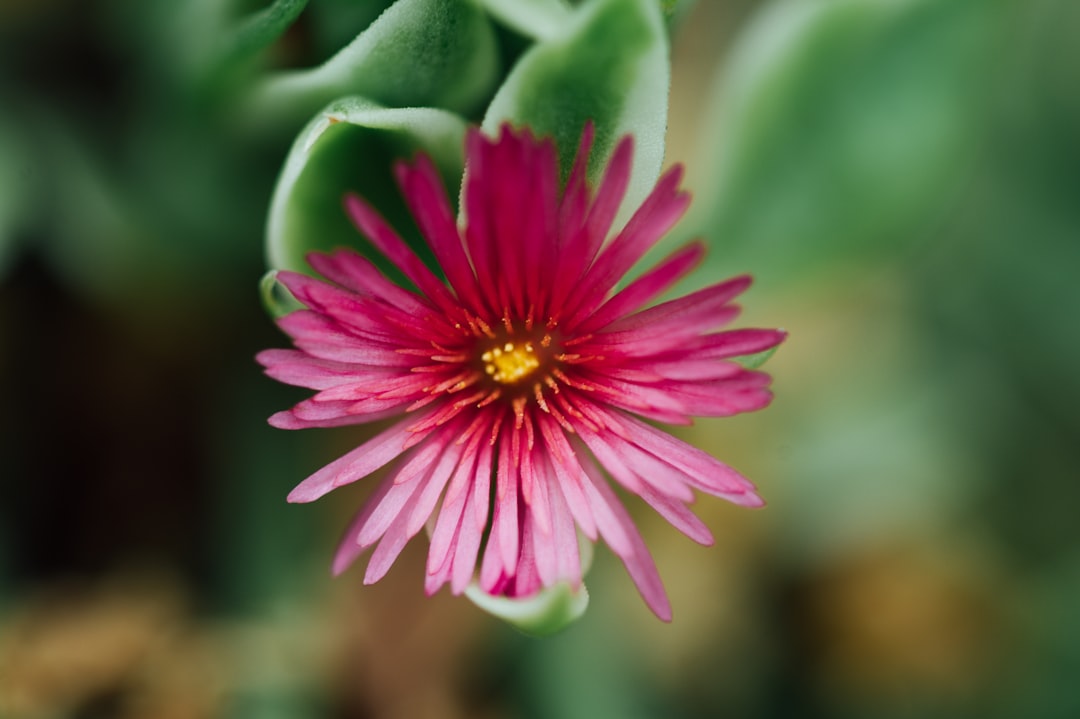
(903, 180)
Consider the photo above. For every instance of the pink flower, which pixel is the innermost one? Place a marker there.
(522, 381)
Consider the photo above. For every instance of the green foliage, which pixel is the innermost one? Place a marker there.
(608, 64)
(435, 53)
(611, 66)
(258, 31)
(351, 146)
(538, 19)
(548, 612)
(841, 127)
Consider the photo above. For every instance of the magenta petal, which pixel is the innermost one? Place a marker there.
(630, 547)
(543, 552)
(564, 540)
(686, 309)
(358, 463)
(661, 210)
(430, 206)
(494, 370)
(390, 244)
(348, 548)
(736, 343)
(405, 496)
(467, 547)
(678, 515)
(707, 473)
(569, 477)
(505, 522)
(303, 370)
(645, 288)
(387, 551)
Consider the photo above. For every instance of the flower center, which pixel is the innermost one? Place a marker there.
(510, 362)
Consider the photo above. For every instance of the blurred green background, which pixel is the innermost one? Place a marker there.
(902, 177)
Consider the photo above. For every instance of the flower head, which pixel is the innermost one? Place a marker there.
(521, 380)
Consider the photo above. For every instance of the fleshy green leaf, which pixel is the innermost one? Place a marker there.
(334, 23)
(252, 34)
(276, 299)
(538, 19)
(264, 26)
(842, 127)
(351, 147)
(547, 612)
(431, 53)
(610, 66)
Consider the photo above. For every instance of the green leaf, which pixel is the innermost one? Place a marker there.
(430, 53)
(842, 127)
(333, 24)
(246, 39)
(265, 26)
(276, 299)
(538, 19)
(610, 66)
(351, 147)
(549, 611)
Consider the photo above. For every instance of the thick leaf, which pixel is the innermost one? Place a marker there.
(610, 66)
(538, 19)
(549, 611)
(333, 24)
(252, 34)
(264, 26)
(276, 298)
(351, 147)
(430, 53)
(843, 127)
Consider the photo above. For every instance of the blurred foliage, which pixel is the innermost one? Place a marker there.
(902, 179)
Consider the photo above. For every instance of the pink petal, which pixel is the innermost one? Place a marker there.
(630, 547)
(643, 289)
(388, 550)
(348, 549)
(679, 312)
(708, 473)
(479, 234)
(543, 550)
(658, 214)
(358, 463)
(288, 420)
(736, 343)
(467, 546)
(569, 477)
(302, 370)
(679, 516)
(609, 196)
(447, 526)
(390, 244)
(430, 207)
(563, 539)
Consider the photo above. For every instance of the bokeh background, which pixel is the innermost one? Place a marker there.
(902, 177)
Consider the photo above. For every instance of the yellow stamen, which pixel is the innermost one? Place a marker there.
(509, 363)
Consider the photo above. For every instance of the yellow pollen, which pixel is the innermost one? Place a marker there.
(510, 363)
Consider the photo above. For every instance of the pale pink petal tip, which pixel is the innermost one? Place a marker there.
(523, 377)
